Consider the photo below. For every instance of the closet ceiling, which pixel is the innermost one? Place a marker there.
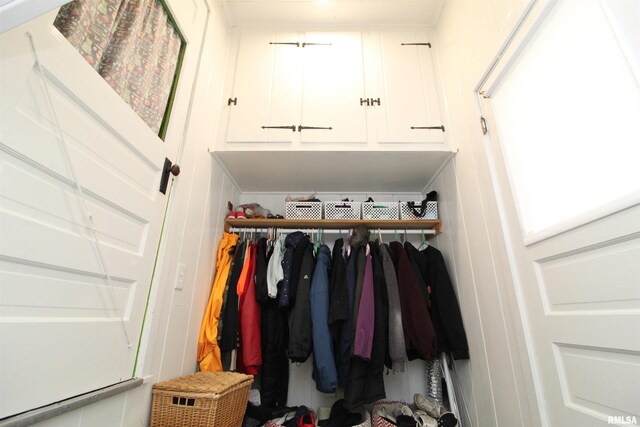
(333, 12)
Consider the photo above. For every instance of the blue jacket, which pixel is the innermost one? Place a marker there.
(324, 368)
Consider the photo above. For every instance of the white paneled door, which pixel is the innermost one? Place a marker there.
(562, 108)
(72, 298)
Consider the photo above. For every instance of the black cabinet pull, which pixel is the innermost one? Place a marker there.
(296, 44)
(233, 101)
(364, 101)
(428, 127)
(416, 44)
(375, 101)
(316, 44)
(292, 127)
(300, 128)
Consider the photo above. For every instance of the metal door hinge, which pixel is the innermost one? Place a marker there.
(416, 44)
(483, 125)
(233, 101)
(429, 127)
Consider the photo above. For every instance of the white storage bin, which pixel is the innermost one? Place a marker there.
(303, 210)
(380, 210)
(342, 210)
(431, 211)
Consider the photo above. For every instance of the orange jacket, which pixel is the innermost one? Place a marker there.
(208, 351)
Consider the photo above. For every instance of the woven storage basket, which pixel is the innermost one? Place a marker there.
(431, 212)
(203, 399)
(380, 210)
(303, 210)
(342, 210)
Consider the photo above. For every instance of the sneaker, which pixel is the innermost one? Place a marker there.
(231, 215)
(424, 420)
(240, 215)
(436, 410)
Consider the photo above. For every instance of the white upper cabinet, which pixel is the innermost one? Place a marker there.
(332, 89)
(322, 90)
(265, 93)
(403, 76)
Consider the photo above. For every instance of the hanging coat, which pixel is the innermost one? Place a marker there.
(339, 300)
(208, 350)
(445, 311)
(275, 273)
(419, 335)
(324, 367)
(363, 340)
(262, 288)
(296, 265)
(228, 326)
(344, 358)
(361, 261)
(396, 345)
(300, 345)
(249, 311)
(290, 243)
(274, 331)
(366, 378)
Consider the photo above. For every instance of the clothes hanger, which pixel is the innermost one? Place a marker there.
(318, 243)
(423, 244)
(346, 248)
(380, 236)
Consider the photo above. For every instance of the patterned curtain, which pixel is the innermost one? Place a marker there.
(132, 44)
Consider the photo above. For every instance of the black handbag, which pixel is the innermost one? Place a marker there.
(419, 210)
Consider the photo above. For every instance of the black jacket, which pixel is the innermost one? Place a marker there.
(300, 345)
(343, 361)
(274, 376)
(262, 294)
(228, 325)
(338, 300)
(445, 311)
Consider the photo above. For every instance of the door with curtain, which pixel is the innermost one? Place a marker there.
(81, 216)
(562, 108)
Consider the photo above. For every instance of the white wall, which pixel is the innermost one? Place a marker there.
(193, 227)
(495, 385)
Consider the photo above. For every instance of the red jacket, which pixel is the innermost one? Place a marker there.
(250, 359)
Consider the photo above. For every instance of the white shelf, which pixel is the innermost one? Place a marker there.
(333, 171)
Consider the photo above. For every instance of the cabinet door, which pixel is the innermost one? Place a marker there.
(410, 97)
(286, 88)
(251, 88)
(266, 87)
(332, 88)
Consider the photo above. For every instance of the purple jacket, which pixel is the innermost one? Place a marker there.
(365, 321)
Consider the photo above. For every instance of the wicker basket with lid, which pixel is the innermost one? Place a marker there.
(211, 399)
